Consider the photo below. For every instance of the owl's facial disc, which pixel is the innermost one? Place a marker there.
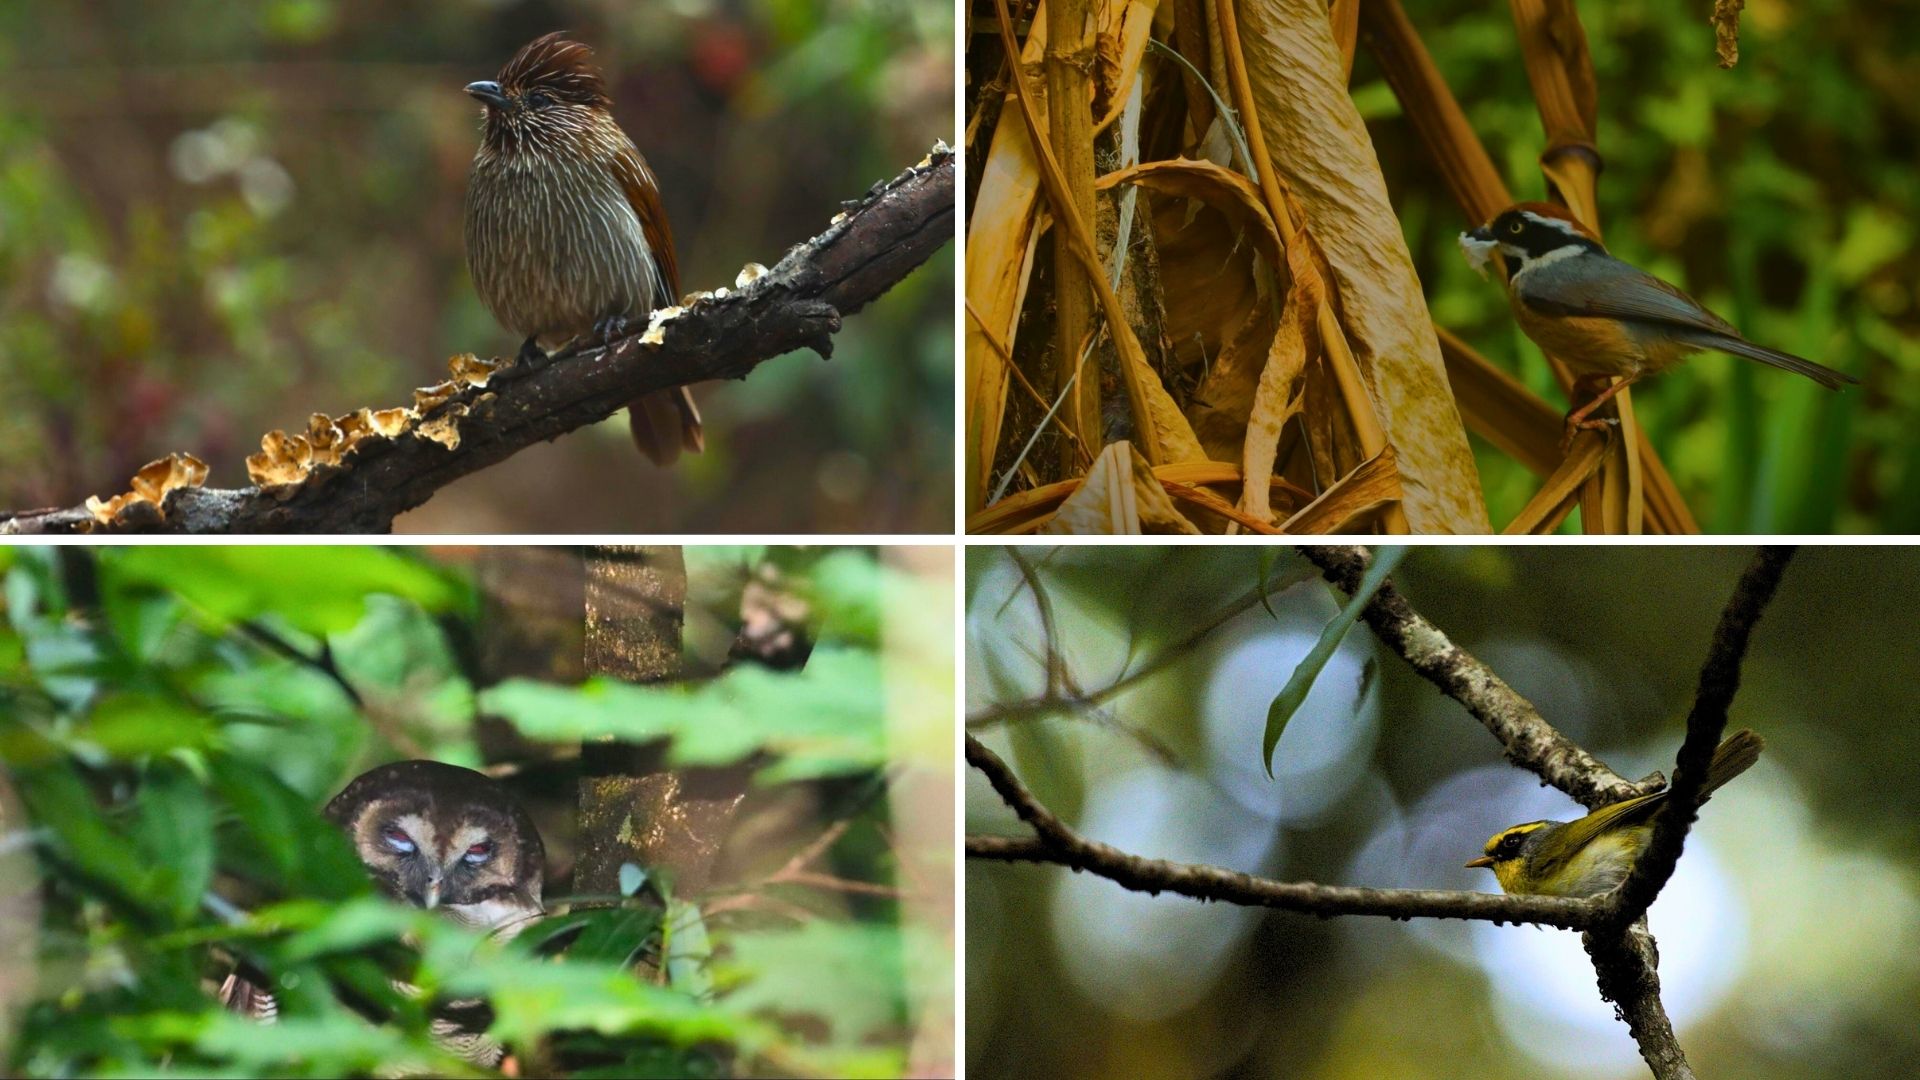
(436, 836)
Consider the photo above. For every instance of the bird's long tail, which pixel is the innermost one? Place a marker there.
(1735, 755)
(664, 423)
(1819, 373)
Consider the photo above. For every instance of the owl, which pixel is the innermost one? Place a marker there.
(443, 838)
(447, 839)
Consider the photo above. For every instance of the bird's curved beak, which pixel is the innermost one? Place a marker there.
(1483, 234)
(488, 92)
(431, 898)
(1484, 860)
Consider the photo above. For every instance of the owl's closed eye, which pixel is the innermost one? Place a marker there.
(445, 838)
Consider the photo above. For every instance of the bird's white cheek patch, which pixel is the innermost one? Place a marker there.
(1479, 253)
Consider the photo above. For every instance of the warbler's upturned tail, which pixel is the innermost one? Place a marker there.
(1735, 755)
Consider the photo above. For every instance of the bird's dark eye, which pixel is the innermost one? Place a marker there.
(538, 100)
(398, 840)
(1516, 228)
(479, 853)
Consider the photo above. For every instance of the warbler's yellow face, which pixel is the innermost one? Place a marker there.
(1506, 855)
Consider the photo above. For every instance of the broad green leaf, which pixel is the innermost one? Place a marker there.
(318, 590)
(1288, 701)
(615, 935)
(851, 976)
(398, 656)
(138, 725)
(288, 718)
(353, 925)
(281, 837)
(174, 827)
(823, 720)
(340, 1044)
(60, 804)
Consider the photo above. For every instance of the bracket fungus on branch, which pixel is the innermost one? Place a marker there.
(357, 472)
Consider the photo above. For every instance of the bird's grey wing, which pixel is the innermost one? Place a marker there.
(1604, 286)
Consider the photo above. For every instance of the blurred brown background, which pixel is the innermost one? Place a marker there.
(217, 218)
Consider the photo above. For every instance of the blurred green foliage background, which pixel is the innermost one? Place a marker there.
(172, 719)
(218, 218)
(1781, 193)
(1787, 939)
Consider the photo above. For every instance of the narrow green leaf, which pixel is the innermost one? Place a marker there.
(1288, 701)
(1268, 556)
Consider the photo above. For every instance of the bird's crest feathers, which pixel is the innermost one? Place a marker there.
(558, 66)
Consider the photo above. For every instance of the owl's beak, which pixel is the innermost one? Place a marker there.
(431, 899)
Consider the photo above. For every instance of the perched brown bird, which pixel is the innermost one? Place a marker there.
(566, 235)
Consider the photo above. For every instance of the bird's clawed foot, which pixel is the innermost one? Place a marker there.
(612, 328)
(1598, 389)
(530, 353)
(1575, 427)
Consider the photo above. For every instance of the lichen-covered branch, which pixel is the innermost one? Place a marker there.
(875, 243)
(1530, 741)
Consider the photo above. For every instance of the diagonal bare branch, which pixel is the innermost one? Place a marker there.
(1530, 741)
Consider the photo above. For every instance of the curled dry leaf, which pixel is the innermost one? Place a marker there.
(1320, 146)
(1296, 342)
(1026, 511)
(749, 274)
(1120, 496)
(1206, 289)
(1119, 54)
(1562, 491)
(1726, 31)
(1348, 505)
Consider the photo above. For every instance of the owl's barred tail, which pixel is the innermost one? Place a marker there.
(665, 423)
(1735, 755)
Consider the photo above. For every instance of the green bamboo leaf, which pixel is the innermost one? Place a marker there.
(1268, 556)
(1288, 701)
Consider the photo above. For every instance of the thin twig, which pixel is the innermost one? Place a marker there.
(323, 663)
(1059, 844)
